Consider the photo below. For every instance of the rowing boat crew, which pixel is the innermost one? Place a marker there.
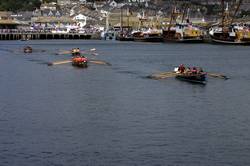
(194, 74)
(78, 59)
(193, 70)
(75, 52)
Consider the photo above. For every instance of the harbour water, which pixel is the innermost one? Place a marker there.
(113, 115)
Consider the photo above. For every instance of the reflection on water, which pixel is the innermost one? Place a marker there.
(112, 115)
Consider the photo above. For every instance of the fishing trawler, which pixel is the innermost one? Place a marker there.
(228, 32)
(149, 35)
(182, 31)
(125, 31)
(235, 34)
(125, 34)
(153, 35)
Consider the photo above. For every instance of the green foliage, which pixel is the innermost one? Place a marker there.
(213, 9)
(48, 1)
(19, 5)
(244, 13)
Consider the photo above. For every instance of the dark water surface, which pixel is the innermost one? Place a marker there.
(113, 115)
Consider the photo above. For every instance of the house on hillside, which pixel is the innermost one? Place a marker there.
(7, 22)
(113, 4)
(50, 13)
(81, 20)
(5, 15)
(48, 6)
(63, 2)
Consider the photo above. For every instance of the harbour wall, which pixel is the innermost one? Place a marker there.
(46, 36)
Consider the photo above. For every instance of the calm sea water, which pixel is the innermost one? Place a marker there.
(114, 116)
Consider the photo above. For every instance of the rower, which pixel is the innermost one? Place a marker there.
(78, 53)
(75, 52)
(181, 68)
(194, 70)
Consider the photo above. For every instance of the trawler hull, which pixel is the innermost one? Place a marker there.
(229, 40)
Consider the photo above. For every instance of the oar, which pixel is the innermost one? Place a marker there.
(91, 51)
(162, 75)
(69, 61)
(59, 62)
(217, 75)
(99, 62)
(69, 52)
(63, 53)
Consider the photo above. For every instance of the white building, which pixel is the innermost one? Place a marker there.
(81, 19)
(113, 4)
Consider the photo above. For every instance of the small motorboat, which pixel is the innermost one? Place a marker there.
(80, 61)
(27, 49)
(195, 75)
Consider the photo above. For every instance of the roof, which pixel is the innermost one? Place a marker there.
(9, 22)
(5, 14)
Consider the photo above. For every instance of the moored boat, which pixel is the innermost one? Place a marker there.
(235, 34)
(124, 37)
(148, 35)
(153, 35)
(185, 33)
(182, 30)
(228, 32)
(138, 36)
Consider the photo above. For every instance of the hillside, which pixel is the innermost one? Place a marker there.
(19, 5)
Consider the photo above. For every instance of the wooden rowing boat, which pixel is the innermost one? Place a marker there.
(192, 77)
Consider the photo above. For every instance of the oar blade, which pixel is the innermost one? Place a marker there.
(217, 75)
(59, 62)
(63, 53)
(162, 75)
(99, 62)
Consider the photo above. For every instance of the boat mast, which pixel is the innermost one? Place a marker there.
(236, 10)
(171, 19)
(128, 13)
(121, 21)
(184, 13)
(223, 14)
(107, 21)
